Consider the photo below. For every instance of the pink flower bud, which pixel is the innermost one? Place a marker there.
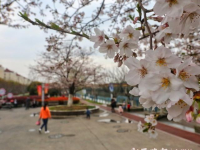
(116, 58)
(135, 20)
(189, 116)
(198, 118)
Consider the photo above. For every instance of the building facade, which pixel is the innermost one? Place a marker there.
(10, 75)
(1, 72)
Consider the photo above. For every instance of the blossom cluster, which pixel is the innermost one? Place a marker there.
(161, 79)
(180, 18)
(122, 44)
(149, 126)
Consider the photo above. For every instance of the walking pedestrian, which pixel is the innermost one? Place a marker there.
(129, 107)
(15, 102)
(27, 103)
(34, 103)
(44, 115)
(112, 105)
(124, 105)
(120, 110)
(88, 113)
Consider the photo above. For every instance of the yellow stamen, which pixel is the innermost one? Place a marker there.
(184, 75)
(181, 103)
(165, 82)
(172, 2)
(143, 72)
(125, 46)
(161, 62)
(194, 16)
(109, 47)
(130, 35)
(168, 34)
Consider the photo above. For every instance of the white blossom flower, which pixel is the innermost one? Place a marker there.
(162, 86)
(134, 91)
(147, 102)
(116, 37)
(177, 112)
(149, 118)
(152, 133)
(99, 38)
(126, 47)
(109, 47)
(172, 8)
(130, 34)
(197, 2)
(165, 34)
(190, 19)
(140, 68)
(162, 58)
(153, 122)
(186, 72)
(140, 127)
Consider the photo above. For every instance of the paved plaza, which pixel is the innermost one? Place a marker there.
(19, 132)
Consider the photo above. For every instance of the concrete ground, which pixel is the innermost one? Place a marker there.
(79, 134)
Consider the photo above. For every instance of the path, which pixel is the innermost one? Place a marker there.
(80, 134)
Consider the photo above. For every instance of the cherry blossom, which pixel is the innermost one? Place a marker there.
(147, 102)
(187, 73)
(172, 8)
(134, 91)
(163, 59)
(165, 35)
(140, 68)
(140, 127)
(163, 86)
(149, 118)
(196, 2)
(152, 133)
(99, 38)
(126, 47)
(190, 19)
(154, 122)
(109, 48)
(178, 110)
(130, 34)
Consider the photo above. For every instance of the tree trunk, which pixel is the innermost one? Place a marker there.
(71, 94)
(70, 100)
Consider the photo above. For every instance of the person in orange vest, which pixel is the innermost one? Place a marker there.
(44, 115)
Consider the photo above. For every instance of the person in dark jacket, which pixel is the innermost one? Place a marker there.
(28, 103)
(113, 105)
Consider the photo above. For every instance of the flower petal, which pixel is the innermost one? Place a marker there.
(192, 82)
(133, 77)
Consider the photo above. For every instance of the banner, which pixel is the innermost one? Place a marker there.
(46, 88)
(39, 90)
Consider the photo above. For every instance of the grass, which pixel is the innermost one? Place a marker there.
(74, 107)
(92, 101)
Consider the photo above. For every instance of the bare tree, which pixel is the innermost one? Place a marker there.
(9, 10)
(72, 70)
(117, 75)
(76, 20)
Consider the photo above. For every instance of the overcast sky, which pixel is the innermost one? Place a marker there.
(20, 48)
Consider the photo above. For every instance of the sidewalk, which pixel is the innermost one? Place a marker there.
(194, 137)
(79, 134)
